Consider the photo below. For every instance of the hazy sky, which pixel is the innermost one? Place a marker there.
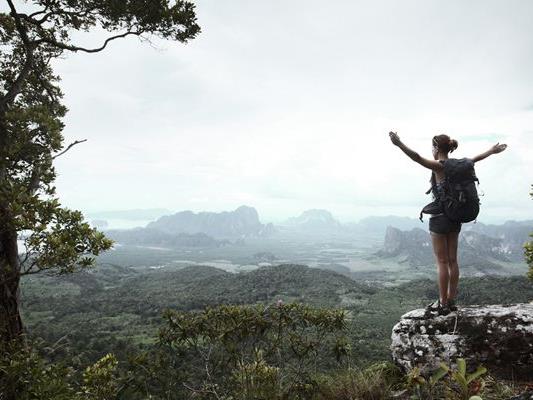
(286, 106)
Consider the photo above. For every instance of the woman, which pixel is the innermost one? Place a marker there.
(444, 232)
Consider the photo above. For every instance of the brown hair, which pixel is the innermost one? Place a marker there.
(444, 143)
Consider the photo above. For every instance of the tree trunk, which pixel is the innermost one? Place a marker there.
(10, 320)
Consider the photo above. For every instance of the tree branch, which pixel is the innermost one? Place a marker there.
(44, 18)
(28, 47)
(65, 46)
(37, 13)
(68, 148)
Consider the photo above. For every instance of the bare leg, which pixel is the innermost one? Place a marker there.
(440, 248)
(453, 267)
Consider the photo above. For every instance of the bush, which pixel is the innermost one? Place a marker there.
(25, 374)
(277, 349)
(373, 383)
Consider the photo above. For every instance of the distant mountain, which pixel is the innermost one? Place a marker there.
(317, 221)
(412, 246)
(313, 220)
(378, 225)
(156, 238)
(243, 222)
(477, 252)
(132, 215)
(484, 245)
(512, 234)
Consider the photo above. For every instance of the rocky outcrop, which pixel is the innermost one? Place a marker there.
(413, 247)
(499, 337)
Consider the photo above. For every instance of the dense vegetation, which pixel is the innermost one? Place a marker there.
(114, 307)
(262, 351)
(82, 317)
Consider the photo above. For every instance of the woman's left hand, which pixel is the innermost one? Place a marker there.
(498, 148)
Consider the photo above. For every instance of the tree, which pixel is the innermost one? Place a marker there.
(55, 238)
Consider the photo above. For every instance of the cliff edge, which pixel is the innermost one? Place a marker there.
(498, 336)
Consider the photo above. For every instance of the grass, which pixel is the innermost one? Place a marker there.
(376, 382)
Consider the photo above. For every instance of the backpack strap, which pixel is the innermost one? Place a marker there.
(433, 180)
(429, 208)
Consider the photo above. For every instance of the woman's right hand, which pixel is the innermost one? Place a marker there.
(394, 138)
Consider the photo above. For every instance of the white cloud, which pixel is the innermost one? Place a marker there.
(286, 106)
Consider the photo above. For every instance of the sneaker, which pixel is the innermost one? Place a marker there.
(437, 308)
(451, 305)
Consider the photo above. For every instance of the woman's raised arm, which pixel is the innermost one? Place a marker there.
(413, 155)
(497, 148)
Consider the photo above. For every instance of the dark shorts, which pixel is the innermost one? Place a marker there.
(442, 224)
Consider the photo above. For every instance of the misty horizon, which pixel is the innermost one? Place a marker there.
(140, 217)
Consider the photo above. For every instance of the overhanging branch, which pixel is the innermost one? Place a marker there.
(69, 147)
(37, 13)
(65, 46)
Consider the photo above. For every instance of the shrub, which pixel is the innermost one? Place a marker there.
(373, 383)
(277, 349)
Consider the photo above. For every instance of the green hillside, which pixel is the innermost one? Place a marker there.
(114, 307)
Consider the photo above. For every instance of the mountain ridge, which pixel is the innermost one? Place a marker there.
(478, 252)
(240, 223)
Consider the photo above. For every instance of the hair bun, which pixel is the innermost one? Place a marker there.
(453, 144)
(444, 143)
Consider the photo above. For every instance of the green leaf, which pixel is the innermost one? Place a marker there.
(461, 380)
(478, 372)
(461, 366)
(439, 374)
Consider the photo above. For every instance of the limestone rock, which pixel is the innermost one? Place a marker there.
(242, 222)
(498, 336)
